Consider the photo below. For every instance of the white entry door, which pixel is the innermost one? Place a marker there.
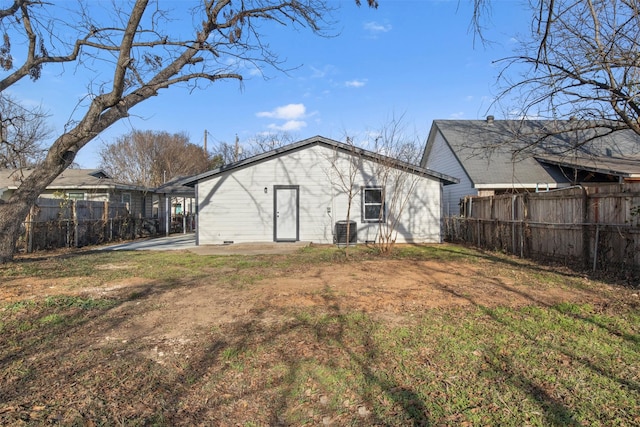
(285, 213)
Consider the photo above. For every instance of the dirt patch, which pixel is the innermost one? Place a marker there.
(33, 287)
(173, 315)
(395, 287)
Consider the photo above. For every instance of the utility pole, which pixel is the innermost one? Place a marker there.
(205, 142)
(236, 151)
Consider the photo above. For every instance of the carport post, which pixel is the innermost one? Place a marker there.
(167, 214)
(184, 215)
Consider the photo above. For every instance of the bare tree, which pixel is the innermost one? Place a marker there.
(345, 174)
(231, 153)
(386, 188)
(22, 131)
(581, 62)
(395, 175)
(149, 158)
(269, 141)
(137, 40)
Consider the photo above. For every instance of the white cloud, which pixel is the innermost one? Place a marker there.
(375, 27)
(289, 126)
(355, 83)
(291, 114)
(285, 112)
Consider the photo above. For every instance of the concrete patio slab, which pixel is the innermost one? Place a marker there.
(188, 242)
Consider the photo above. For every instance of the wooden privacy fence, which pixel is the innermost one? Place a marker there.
(58, 223)
(597, 226)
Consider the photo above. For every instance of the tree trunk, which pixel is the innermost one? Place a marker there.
(14, 211)
(10, 227)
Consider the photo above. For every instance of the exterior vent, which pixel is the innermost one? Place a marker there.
(490, 119)
(340, 234)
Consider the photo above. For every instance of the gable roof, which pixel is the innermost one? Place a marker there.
(494, 152)
(69, 179)
(326, 142)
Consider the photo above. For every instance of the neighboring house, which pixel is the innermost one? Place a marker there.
(298, 192)
(492, 157)
(83, 184)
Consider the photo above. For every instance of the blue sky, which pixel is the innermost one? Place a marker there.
(415, 59)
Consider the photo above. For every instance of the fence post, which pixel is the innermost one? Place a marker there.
(105, 220)
(29, 230)
(595, 248)
(74, 216)
(526, 240)
(586, 247)
(513, 224)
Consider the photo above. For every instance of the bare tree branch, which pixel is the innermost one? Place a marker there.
(145, 56)
(22, 133)
(585, 65)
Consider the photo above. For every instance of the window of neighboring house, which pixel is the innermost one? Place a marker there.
(373, 204)
(126, 198)
(75, 196)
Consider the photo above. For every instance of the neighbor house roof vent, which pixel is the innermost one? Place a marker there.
(490, 119)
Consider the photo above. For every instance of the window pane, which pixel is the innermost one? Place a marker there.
(372, 212)
(372, 195)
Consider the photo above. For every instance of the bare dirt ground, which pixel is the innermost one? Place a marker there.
(382, 287)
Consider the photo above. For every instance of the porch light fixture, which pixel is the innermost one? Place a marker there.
(265, 190)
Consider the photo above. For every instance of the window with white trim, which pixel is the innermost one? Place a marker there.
(75, 196)
(373, 204)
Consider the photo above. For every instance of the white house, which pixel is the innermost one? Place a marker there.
(299, 192)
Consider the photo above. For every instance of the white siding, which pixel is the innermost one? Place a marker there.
(442, 159)
(233, 206)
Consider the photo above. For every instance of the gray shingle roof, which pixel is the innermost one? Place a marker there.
(69, 179)
(505, 151)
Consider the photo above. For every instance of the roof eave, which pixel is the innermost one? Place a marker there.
(517, 185)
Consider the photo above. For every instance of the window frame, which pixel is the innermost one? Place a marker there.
(382, 214)
(75, 195)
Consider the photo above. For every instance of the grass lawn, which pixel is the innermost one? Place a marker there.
(431, 335)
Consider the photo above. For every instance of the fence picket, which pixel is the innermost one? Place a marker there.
(597, 226)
